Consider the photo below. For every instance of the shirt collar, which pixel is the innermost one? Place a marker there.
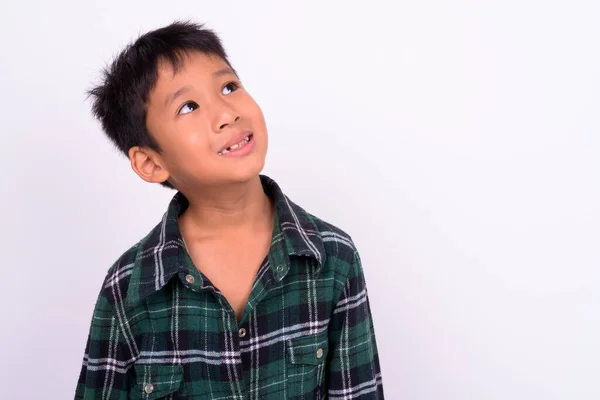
(162, 255)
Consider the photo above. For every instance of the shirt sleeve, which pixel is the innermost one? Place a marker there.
(353, 371)
(105, 373)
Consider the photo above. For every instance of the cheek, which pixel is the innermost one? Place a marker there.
(193, 133)
(258, 120)
(254, 110)
(188, 147)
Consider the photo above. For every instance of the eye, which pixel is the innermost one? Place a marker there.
(188, 108)
(230, 87)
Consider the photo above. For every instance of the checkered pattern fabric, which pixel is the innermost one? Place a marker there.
(162, 330)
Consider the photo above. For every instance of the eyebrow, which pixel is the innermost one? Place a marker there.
(223, 71)
(171, 98)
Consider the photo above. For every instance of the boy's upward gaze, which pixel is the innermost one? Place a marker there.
(237, 293)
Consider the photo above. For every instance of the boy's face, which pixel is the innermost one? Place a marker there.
(210, 130)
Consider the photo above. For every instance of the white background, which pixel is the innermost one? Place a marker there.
(457, 142)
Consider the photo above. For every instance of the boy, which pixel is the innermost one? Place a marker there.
(238, 293)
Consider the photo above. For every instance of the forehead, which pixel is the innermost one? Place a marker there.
(190, 69)
(193, 69)
(188, 63)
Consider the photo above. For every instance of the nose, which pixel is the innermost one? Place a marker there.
(225, 116)
(221, 127)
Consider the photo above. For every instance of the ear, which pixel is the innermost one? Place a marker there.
(148, 164)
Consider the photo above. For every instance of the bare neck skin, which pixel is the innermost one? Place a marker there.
(227, 212)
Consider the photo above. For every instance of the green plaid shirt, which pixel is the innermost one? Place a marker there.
(162, 330)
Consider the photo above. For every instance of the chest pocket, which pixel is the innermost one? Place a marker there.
(155, 381)
(307, 357)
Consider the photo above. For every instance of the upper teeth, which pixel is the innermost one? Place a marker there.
(235, 146)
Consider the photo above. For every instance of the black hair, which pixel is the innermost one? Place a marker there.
(119, 102)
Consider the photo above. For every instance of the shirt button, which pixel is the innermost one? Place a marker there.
(190, 279)
(242, 332)
(280, 268)
(319, 353)
(149, 388)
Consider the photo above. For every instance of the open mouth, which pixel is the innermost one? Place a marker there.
(236, 146)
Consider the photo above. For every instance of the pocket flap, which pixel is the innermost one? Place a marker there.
(154, 381)
(308, 349)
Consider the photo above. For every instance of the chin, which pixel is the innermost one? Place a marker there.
(246, 172)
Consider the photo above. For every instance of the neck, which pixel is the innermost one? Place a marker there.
(239, 207)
